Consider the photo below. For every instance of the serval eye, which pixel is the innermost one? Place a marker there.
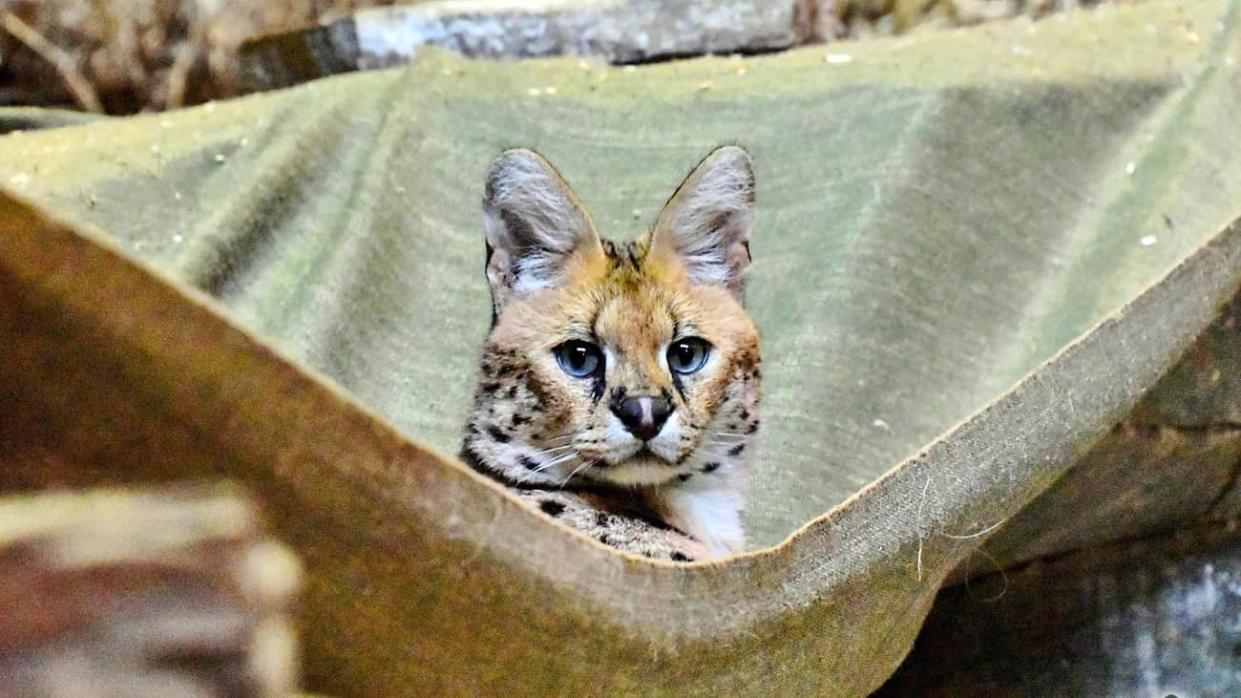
(688, 355)
(579, 359)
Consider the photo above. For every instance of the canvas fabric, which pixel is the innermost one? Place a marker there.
(974, 251)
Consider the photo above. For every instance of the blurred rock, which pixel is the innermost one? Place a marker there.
(618, 32)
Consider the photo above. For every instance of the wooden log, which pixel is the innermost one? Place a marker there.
(174, 592)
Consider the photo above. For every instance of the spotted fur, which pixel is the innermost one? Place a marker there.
(562, 442)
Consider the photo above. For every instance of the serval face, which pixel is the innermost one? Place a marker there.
(628, 364)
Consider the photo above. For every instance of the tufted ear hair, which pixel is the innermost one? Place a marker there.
(536, 227)
(706, 223)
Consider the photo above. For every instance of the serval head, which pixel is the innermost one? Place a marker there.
(616, 364)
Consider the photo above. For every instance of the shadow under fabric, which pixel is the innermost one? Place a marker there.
(970, 262)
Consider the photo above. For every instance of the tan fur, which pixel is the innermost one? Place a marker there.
(555, 437)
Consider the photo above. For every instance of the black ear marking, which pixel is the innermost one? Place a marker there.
(633, 257)
(495, 302)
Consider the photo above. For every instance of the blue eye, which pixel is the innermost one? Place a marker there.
(688, 355)
(579, 359)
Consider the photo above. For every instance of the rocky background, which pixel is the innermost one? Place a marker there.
(126, 56)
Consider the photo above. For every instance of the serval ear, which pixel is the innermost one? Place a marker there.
(536, 227)
(706, 223)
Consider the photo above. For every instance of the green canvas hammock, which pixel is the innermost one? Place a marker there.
(974, 252)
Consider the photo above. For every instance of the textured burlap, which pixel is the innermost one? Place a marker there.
(974, 252)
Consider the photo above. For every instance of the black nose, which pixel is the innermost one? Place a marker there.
(643, 415)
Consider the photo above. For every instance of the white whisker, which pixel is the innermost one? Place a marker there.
(557, 461)
(580, 468)
(553, 451)
(712, 442)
